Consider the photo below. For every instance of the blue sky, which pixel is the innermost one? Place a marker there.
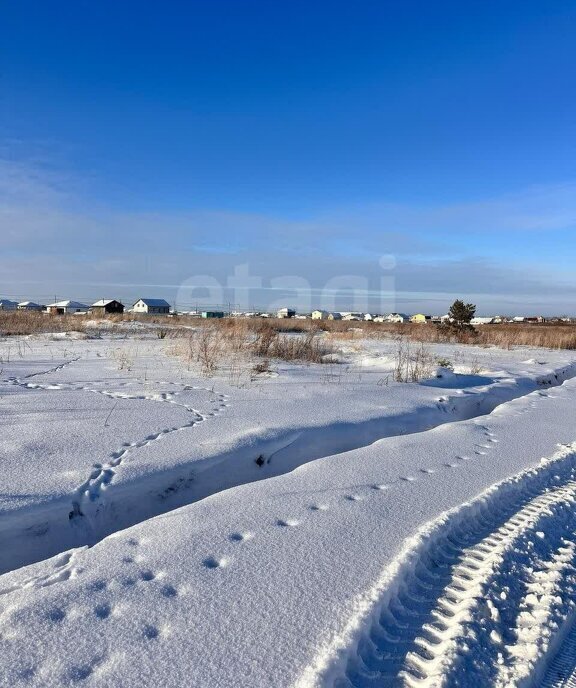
(144, 145)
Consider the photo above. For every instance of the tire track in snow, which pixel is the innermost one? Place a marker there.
(483, 593)
(561, 672)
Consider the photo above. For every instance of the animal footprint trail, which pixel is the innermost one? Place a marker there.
(103, 611)
(216, 563)
(172, 398)
(103, 474)
(21, 382)
(240, 537)
(63, 569)
(287, 523)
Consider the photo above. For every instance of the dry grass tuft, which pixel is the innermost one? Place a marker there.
(263, 335)
(18, 323)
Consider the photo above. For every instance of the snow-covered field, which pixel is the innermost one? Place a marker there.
(318, 525)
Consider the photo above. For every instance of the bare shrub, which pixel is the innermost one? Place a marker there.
(265, 336)
(475, 366)
(245, 349)
(123, 358)
(208, 350)
(413, 363)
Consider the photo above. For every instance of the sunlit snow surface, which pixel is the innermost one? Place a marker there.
(348, 550)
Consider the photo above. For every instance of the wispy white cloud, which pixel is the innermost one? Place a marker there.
(539, 209)
(53, 238)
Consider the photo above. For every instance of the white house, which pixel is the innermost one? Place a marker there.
(335, 315)
(151, 306)
(66, 307)
(481, 321)
(320, 315)
(286, 313)
(29, 306)
(352, 316)
(397, 318)
(7, 305)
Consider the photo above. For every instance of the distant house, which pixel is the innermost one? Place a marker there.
(530, 319)
(320, 315)
(286, 313)
(335, 316)
(352, 316)
(482, 321)
(29, 306)
(397, 318)
(420, 318)
(151, 306)
(105, 306)
(7, 305)
(212, 314)
(66, 307)
(369, 316)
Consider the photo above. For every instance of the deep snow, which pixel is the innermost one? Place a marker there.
(133, 433)
(281, 581)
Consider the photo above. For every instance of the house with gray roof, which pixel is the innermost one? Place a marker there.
(151, 307)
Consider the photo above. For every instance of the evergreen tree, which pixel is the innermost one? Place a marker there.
(461, 315)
